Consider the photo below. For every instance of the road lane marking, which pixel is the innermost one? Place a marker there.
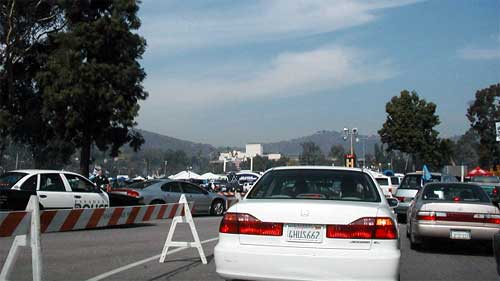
(129, 266)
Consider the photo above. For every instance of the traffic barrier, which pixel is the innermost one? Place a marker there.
(20, 224)
(65, 220)
(34, 222)
(186, 218)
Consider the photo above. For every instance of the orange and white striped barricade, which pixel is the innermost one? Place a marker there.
(73, 219)
(35, 222)
(21, 224)
(183, 218)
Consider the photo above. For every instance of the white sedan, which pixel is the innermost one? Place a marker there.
(310, 223)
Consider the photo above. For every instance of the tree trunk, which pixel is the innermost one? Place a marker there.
(414, 161)
(85, 158)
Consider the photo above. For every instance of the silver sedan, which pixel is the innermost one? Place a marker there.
(164, 191)
(455, 211)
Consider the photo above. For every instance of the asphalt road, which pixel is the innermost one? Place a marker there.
(131, 253)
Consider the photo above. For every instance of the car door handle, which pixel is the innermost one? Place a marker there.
(78, 196)
(43, 196)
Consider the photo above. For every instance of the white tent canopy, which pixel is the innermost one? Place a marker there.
(209, 176)
(184, 175)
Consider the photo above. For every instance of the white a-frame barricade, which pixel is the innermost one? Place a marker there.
(187, 218)
(33, 240)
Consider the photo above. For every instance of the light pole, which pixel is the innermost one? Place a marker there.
(351, 133)
(166, 168)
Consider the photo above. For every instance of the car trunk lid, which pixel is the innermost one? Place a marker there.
(300, 217)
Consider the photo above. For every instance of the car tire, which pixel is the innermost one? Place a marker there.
(157, 202)
(415, 242)
(217, 208)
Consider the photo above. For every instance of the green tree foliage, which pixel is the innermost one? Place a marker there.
(409, 126)
(92, 79)
(482, 113)
(311, 154)
(24, 26)
(262, 164)
(465, 150)
(337, 153)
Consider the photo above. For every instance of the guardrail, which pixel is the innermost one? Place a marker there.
(34, 222)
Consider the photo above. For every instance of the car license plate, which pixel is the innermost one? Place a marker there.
(308, 233)
(460, 234)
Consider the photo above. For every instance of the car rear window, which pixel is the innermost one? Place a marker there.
(382, 181)
(486, 179)
(142, 184)
(315, 184)
(415, 181)
(454, 193)
(9, 179)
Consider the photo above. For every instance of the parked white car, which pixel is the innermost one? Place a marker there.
(56, 189)
(310, 223)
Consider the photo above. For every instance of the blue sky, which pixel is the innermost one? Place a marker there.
(232, 72)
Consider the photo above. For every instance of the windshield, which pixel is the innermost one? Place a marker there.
(8, 180)
(415, 181)
(315, 184)
(454, 193)
(382, 181)
(486, 179)
(395, 180)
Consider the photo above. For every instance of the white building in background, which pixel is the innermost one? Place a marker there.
(251, 150)
(254, 149)
(273, 156)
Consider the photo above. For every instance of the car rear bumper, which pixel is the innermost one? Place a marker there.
(236, 261)
(433, 230)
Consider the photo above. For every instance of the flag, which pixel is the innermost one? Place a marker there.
(426, 176)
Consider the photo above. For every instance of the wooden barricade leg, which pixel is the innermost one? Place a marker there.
(22, 241)
(187, 218)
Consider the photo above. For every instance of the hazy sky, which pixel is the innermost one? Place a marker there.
(231, 72)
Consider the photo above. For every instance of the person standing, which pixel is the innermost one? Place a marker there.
(101, 180)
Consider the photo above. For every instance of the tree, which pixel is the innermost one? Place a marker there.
(465, 151)
(311, 154)
(92, 80)
(24, 27)
(337, 153)
(482, 114)
(410, 123)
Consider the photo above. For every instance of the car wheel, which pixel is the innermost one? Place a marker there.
(156, 202)
(217, 208)
(415, 242)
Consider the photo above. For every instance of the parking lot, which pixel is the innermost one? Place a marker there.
(132, 253)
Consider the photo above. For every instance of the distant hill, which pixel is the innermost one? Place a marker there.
(325, 140)
(157, 141)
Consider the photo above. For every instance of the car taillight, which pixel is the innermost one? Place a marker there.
(133, 193)
(488, 218)
(494, 192)
(401, 198)
(430, 216)
(364, 228)
(236, 223)
(129, 192)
